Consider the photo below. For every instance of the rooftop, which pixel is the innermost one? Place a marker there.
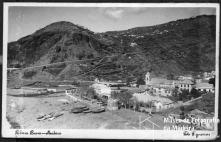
(157, 81)
(203, 85)
(186, 81)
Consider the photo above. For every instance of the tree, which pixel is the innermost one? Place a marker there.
(90, 56)
(135, 103)
(114, 95)
(182, 114)
(29, 74)
(175, 94)
(184, 95)
(43, 68)
(81, 55)
(149, 105)
(195, 93)
(17, 66)
(181, 95)
(212, 81)
(129, 80)
(170, 76)
(75, 82)
(123, 97)
(140, 81)
(91, 93)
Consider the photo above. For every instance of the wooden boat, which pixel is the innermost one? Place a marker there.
(79, 110)
(76, 111)
(80, 107)
(45, 116)
(56, 115)
(87, 111)
(42, 117)
(99, 110)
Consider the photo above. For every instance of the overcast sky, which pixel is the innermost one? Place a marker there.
(26, 20)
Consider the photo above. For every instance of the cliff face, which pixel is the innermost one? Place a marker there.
(182, 46)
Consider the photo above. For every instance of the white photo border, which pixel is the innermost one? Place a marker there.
(106, 134)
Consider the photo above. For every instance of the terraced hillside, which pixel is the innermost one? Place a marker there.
(177, 47)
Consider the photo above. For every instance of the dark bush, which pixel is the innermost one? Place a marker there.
(17, 65)
(91, 93)
(81, 55)
(207, 103)
(76, 83)
(29, 74)
(90, 56)
(140, 81)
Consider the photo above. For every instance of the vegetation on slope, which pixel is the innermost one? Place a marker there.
(177, 47)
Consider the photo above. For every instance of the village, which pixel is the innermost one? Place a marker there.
(144, 104)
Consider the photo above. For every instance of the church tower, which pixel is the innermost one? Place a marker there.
(147, 78)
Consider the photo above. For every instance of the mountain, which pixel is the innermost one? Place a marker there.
(185, 46)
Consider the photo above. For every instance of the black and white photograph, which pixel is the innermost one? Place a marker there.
(111, 70)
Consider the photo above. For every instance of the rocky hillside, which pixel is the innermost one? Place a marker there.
(178, 47)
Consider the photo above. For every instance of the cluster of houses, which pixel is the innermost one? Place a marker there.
(164, 87)
(157, 102)
(155, 93)
(156, 90)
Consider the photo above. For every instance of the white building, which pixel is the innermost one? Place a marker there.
(199, 80)
(184, 84)
(70, 91)
(51, 89)
(159, 103)
(133, 44)
(164, 85)
(102, 89)
(159, 106)
(161, 82)
(162, 91)
(202, 86)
